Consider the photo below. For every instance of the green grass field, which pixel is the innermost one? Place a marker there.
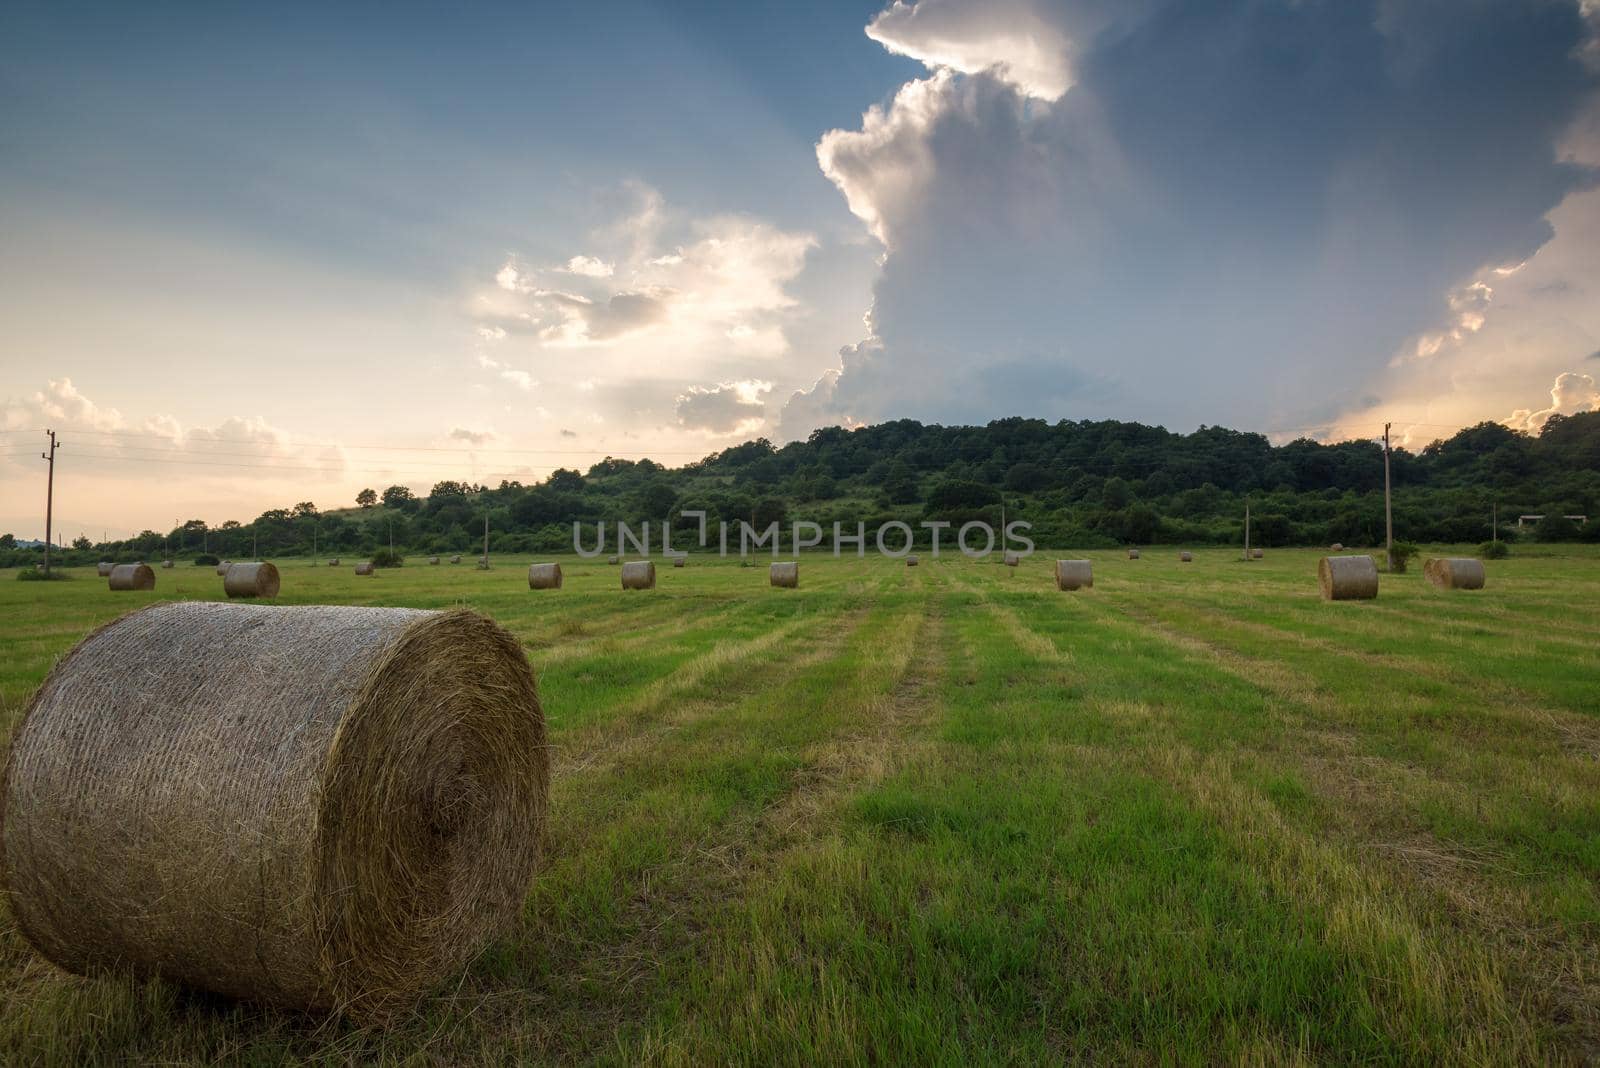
(949, 815)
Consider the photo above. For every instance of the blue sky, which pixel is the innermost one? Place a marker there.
(253, 253)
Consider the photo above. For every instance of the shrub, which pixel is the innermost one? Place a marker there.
(1493, 550)
(30, 575)
(387, 558)
(207, 560)
(1400, 556)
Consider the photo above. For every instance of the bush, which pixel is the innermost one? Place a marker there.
(207, 560)
(1493, 550)
(1400, 556)
(30, 575)
(387, 558)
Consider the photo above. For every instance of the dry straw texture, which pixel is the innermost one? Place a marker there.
(1455, 572)
(638, 575)
(132, 577)
(103, 568)
(251, 580)
(1186, 557)
(1133, 554)
(1348, 578)
(544, 576)
(1074, 574)
(912, 561)
(1337, 547)
(785, 574)
(365, 569)
(337, 815)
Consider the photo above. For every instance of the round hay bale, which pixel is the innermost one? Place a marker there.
(365, 568)
(132, 577)
(1256, 554)
(785, 574)
(679, 561)
(455, 559)
(1348, 578)
(433, 561)
(334, 562)
(1011, 559)
(1455, 572)
(166, 564)
(340, 825)
(222, 568)
(912, 561)
(613, 560)
(1074, 575)
(251, 580)
(1336, 547)
(1186, 557)
(638, 575)
(1133, 554)
(544, 576)
(103, 568)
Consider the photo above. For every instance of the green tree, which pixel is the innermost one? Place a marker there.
(367, 498)
(400, 498)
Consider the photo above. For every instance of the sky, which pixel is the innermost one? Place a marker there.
(256, 255)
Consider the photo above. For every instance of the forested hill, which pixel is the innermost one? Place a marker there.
(1082, 484)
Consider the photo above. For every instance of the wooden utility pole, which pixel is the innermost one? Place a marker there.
(1388, 502)
(49, 495)
(1494, 521)
(486, 540)
(1247, 529)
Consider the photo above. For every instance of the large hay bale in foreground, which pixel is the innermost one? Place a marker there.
(1455, 572)
(1186, 557)
(638, 575)
(544, 576)
(251, 580)
(337, 814)
(132, 577)
(103, 568)
(1074, 574)
(1348, 578)
(366, 568)
(785, 573)
(1133, 554)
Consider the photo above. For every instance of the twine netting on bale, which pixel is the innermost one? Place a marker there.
(251, 580)
(785, 574)
(1186, 557)
(544, 576)
(132, 577)
(1455, 572)
(1348, 578)
(103, 568)
(638, 575)
(1074, 574)
(365, 569)
(337, 815)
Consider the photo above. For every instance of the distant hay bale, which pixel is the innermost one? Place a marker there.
(1011, 559)
(456, 559)
(103, 568)
(483, 563)
(1133, 554)
(638, 575)
(222, 568)
(1455, 572)
(1186, 557)
(1256, 554)
(1074, 575)
(334, 562)
(679, 561)
(613, 560)
(132, 577)
(1348, 578)
(166, 563)
(251, 580)
(544, 576)
(337, 814)
(365, 568)
(433, 561)
(912, 561)
(785, 574)
(1336, 547)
